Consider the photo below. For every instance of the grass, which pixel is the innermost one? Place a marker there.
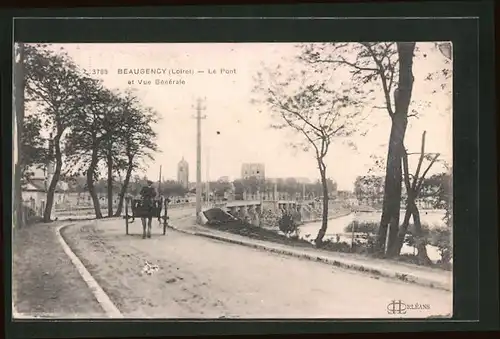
(255, 232)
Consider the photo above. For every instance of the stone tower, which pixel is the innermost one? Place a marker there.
(183, 173)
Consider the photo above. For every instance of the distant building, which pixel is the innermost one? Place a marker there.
(223, 179)
(183, 173)
(34, 190)
(253, 170)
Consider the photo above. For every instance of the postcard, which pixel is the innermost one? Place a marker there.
(233, 180)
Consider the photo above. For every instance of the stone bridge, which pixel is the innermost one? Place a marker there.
(253, 210)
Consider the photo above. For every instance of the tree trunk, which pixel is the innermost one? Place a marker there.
(55, 178)
(403, 229)
(124, 190)
(90, 185)
(110, 182)
(393, 177)
(324, 221)
(393, 182)
(421, 244)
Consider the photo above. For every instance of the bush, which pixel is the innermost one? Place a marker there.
(431, 235)
(296, 217)
(269, 218)
(336, 246)
(441, 238)
(411, 236)
(256, 232)
(437, 236)
(410, 258)
(362, 227)
(286, 224)
(368, 246)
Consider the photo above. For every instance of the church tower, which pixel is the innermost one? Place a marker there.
(183, 173)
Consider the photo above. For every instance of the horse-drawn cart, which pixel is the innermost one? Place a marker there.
(142, 209)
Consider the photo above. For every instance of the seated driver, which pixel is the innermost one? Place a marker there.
(148, 193)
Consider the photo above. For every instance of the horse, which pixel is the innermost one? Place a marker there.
(146, 209)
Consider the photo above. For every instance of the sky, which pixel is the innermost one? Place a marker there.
(236, 131)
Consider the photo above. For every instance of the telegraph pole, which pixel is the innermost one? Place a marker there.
(199, 187)
(159, 182)
(208, 181)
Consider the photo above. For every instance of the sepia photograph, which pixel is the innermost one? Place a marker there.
(233, 180)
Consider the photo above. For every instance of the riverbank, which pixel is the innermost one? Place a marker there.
(336, 238)
(338, 235)
(331, 215)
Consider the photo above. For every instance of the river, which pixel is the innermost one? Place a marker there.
(337, 226)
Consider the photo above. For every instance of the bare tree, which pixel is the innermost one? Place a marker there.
(307, 106)
(392, 64)
(414, 184)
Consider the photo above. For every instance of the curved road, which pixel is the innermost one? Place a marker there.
(200, 277)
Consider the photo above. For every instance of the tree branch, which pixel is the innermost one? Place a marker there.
(420, 160)
(341, 61)
(303, 131)
(297, 114)
(390, 65)
(406, 170)
(43, 96)
(334, 118)
(419, 186)
(381, 72)
(335, 131)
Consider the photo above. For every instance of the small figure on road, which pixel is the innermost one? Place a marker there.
(148, 194)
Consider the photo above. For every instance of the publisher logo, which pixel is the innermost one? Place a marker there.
(396, 307)
(400, 307)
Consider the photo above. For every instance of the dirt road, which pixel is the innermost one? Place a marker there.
(200, 278)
